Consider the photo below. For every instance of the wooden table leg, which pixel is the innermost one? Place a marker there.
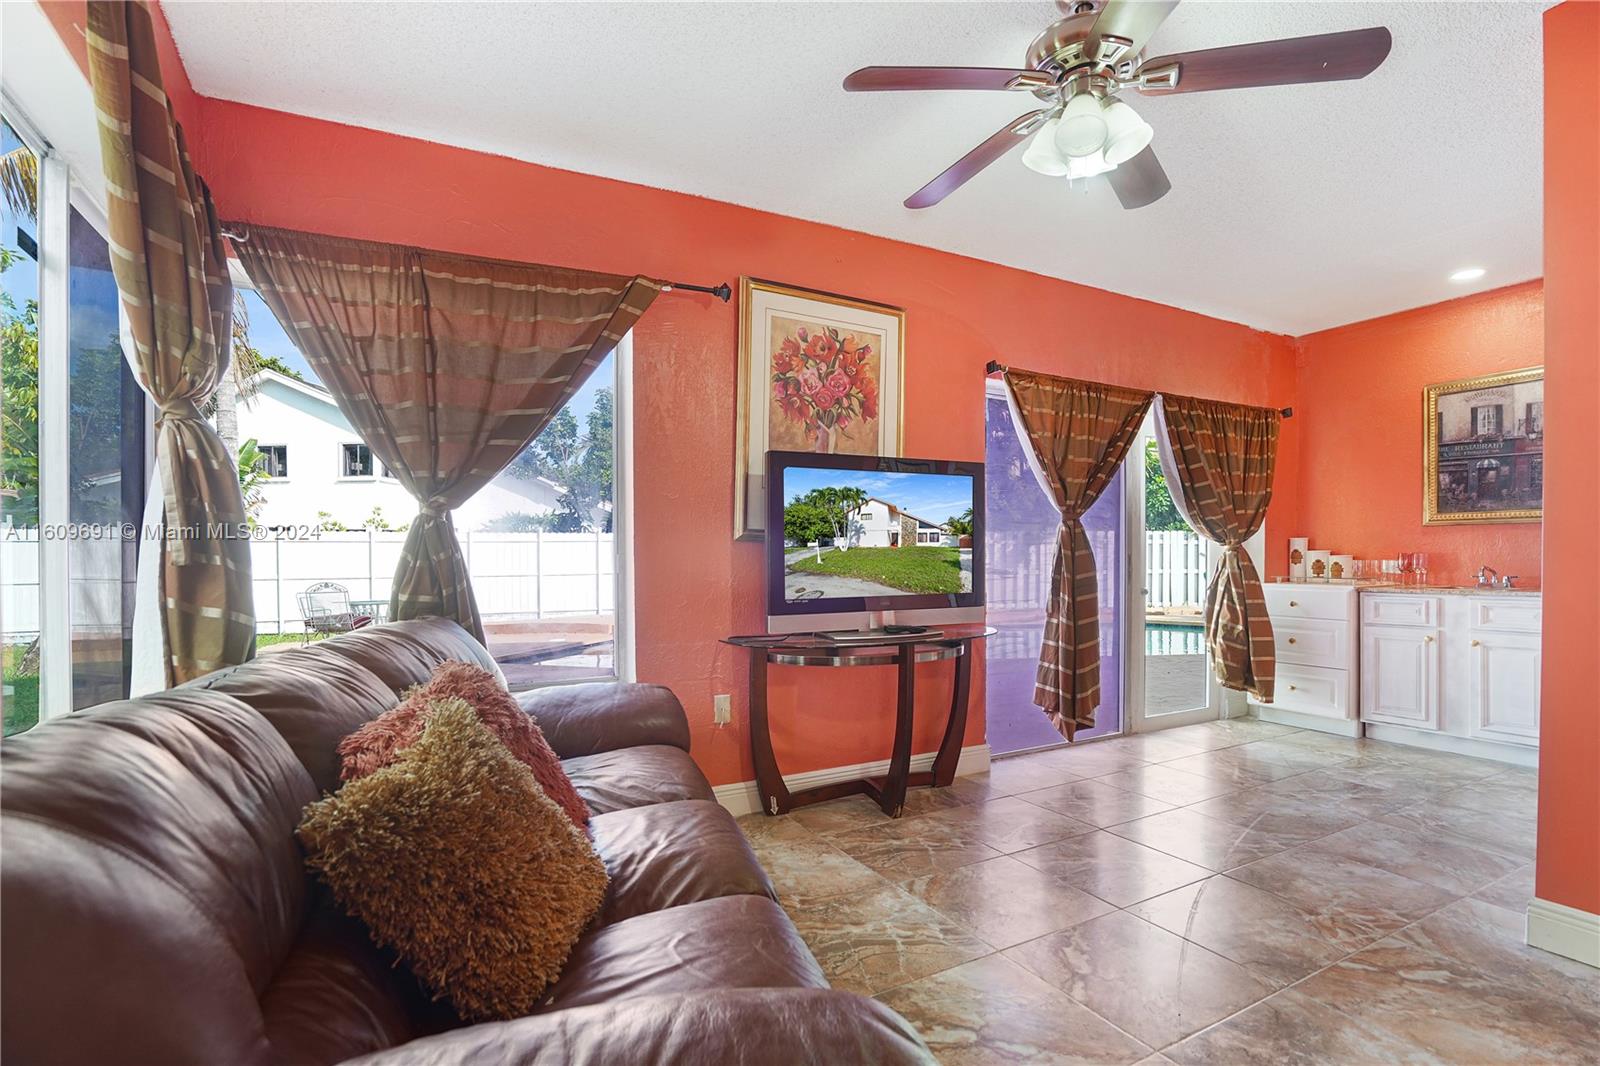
(774, 793)
(894, 785)
(955, 731)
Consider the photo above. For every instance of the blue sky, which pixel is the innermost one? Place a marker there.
(931, 497)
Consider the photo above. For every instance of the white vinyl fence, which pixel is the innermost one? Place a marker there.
(1174, 568)
(514, 575)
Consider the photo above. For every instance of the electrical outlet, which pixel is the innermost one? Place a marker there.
(722, 709)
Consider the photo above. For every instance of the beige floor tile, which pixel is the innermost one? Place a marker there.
(1116, 870)
(1095, 759)
(1514, 891)
(993, 1011)
(1284, 752)
(1005, 901)
(1437, 861)
(1344, 795)
(1234, 766)
(924, 800)
(1495, 796)
(1444, 1001)
(913, 847)
(840, 816)
(1012, 824)
(1271, 937)
(876, 940)
(1095, 803)
(1290, 1029)
(1215, 844)
(1168, 785)
(1506, 834)
(973, 788)
(1354, 904)
(805, 871)
(760, 829)
(1025, 773)
(1148, 982)
(1161, 746)
(1243, 730)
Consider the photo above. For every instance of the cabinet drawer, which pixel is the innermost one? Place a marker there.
(1507, 614)
(1309, 601)
(1312, 642)
(1397, 609)
(1313, 690)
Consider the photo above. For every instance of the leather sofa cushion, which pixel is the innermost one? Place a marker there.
(669, 854)
(606, 715)
(151, 886)
(636, 777)
(403, 654)
(314, 697)
(729, 942)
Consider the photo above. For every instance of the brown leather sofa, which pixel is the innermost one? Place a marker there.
(154, 906)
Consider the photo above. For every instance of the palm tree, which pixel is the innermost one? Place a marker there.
(19, 180)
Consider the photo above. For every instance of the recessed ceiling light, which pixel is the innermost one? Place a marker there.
(1468, 274)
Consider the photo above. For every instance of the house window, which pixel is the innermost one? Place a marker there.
(275, 460)
(1533, 425)
(1486, 420)
(355, 460)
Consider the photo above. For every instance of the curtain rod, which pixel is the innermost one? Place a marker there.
(996, 367)
(241, 235)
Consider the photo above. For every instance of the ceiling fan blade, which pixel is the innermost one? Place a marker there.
(967, 167)
(1140, 181)
(899, 79)
(1323, 57)
(1133, 21)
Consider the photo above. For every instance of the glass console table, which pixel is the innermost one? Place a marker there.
(902, 652)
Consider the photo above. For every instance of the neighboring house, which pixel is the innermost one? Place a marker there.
(319, 464)
(880, 524)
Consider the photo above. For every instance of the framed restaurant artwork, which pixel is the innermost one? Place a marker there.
(817, 372)
(1483, 449)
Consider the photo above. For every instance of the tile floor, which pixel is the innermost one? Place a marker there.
(1234, 893)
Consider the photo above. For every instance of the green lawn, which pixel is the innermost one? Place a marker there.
(22, 701)
(909, 569)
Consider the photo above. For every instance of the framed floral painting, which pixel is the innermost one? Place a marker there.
(817, 372)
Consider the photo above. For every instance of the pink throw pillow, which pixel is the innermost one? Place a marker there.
(379, 742)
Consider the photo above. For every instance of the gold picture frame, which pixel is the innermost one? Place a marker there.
(842, 362)
(1483, 449)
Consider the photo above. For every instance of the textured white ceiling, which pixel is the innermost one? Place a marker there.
(1293, 208)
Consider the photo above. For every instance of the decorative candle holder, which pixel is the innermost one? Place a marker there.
(1298, 547)
(1317, 564)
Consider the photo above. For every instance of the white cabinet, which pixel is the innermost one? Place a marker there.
(1505, 687)
(1400, 676)
(1314, 633)
(1458, 670)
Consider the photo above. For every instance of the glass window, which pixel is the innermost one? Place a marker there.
(355, 460)
(19, 435)
(106, 476)
(275, 460)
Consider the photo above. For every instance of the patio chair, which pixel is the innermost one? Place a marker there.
(325, 607)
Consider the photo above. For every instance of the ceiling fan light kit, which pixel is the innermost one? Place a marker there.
(1079, 64)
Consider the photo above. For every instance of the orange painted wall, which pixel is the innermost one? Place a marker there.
(1360, 395)
(70, 17)
(1568, 867)
(695, 584)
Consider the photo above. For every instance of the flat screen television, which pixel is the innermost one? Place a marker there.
(860, 541)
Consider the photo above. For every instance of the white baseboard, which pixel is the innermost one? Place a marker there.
(1515, 754)
(743, 797)
(1564, 930)
(1344, 727)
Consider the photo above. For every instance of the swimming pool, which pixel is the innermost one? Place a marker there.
(1163, 639)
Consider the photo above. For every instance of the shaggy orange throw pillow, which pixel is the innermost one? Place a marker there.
(376, 744)
(454, 857)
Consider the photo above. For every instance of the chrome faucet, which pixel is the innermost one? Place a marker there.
(1486, 576)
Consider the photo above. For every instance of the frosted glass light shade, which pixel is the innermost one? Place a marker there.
(1087, 166)
(1082, 128)
(1126, 133)
(1042, 156)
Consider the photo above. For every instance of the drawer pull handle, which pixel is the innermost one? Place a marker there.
(1475, 644)
(1294, 603)
(1291, 688)
(1427, 640)
(1291, 640)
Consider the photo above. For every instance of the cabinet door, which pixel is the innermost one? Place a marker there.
(1400, 676)
(1505, 687)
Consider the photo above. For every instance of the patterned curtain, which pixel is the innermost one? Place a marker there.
(1080, 432)
(172, 273)
(1219, 459)
(446, 365)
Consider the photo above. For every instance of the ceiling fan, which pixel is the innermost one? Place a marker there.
(1080, 64)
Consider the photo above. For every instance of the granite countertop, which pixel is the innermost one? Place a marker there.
(1450, 590)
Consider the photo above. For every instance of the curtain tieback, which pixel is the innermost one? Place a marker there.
(178, 410)
(435, 507)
